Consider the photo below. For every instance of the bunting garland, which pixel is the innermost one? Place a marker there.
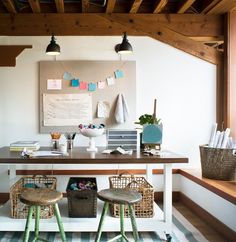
(93, 86)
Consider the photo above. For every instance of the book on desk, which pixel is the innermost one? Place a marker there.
(20, 145)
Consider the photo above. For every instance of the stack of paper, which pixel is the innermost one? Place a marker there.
(220, 139)
(20, 145)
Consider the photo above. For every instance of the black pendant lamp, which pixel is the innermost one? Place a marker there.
(53, 48)
(125, 47)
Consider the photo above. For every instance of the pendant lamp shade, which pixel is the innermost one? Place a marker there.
(53, 48)
(125, 47)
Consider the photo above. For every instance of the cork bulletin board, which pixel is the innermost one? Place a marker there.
(87, 72)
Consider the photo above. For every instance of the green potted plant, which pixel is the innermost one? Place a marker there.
(151, 129)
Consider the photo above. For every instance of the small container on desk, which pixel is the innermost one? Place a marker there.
(55, 137)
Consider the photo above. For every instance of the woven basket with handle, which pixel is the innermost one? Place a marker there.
(219, 164)
(19, 209)
(143, 209)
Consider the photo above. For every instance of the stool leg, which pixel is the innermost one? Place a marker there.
(59, 222)
(37, 218)
(104, 213)
(27, 225)
(133, 221)
(122, 230)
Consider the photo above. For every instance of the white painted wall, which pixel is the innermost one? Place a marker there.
(220, 208)
(184, 86)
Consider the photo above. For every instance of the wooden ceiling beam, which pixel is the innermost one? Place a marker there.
(210, 6)
(222, 7)
(160, 5)
(10, 6)
(35, 6)
(93, 24)
(110, 6)
(85, 6)
(185, 6)
(60, 6)
(8, 53)
(165, 35)
(135, 6)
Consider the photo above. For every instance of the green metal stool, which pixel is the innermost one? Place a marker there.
(122, 197)
(36, 198)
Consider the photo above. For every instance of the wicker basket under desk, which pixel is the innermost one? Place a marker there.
(19, 209)
(217, 163)
(143, 209)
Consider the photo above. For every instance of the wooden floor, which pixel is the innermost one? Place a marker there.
(209, 233)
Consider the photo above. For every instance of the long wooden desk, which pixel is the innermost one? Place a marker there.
(161, 220)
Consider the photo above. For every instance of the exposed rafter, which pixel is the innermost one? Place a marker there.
(85, 6)
(210, 6)
(35, 6)
(222, 7)
(160, 5)
(110, 6)
(60, 6)
(185, 6)
(135, 6)
(165, 35)
(10, 6)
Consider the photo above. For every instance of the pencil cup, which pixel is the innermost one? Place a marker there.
(55, 144)
(63, 149)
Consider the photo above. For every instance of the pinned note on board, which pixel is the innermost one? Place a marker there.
(54, 84)
(67, 76)
(83, 85)
(75, 82)
(103, 109)
(119, 74)
(92, 87)
(101, 85)
(110, 81)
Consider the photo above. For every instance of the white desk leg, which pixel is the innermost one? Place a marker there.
(12, 172)
(149, 173)
(168, 197)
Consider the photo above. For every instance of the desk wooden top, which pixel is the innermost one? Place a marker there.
(79, 155)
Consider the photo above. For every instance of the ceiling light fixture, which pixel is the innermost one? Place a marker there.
(125, 47)
(53, 48)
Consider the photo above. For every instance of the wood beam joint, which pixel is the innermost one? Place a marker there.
(60, 6)
(35, 6)
(110, 6)
(8, 53)
(160, 5)
(135, 6)
(10, 6)
(185, 6)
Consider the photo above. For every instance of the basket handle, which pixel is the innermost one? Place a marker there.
(129, 184)
(125, 173)
(37, 175)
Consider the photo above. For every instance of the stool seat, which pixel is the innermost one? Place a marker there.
(119, 196)
(39, 197)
